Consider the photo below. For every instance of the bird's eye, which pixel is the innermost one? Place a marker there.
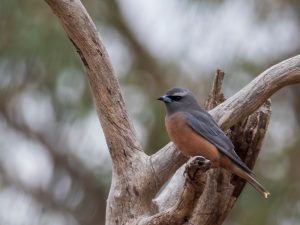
(176, 98)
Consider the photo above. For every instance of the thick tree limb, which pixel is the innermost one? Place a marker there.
(119, 133)
(131, 167)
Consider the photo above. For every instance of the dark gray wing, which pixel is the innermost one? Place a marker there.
(203, 124)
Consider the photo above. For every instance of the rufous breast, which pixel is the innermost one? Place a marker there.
(187, 140)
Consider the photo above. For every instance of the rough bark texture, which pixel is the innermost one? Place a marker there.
(137, 178)
(195, 178)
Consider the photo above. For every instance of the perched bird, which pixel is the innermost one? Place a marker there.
(195, 133)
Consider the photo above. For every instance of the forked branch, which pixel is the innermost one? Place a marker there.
(137, 177)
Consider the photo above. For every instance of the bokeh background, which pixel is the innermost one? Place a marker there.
(54, 164)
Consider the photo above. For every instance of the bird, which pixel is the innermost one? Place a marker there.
(195, 133)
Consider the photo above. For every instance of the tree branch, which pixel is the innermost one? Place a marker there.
(215, 96)
(159, 163)
(136, 177)
(130, 190)
(253, 95)
(192, 190)
(119, 133)
(239, 106)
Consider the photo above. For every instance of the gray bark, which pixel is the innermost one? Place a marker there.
(137, 177)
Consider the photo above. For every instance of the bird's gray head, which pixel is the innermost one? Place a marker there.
(179, 99)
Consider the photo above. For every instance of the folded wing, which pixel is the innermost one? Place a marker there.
(203, 124)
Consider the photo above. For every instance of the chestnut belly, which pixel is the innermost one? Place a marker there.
(188, 141)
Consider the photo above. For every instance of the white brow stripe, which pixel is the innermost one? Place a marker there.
(179, 94)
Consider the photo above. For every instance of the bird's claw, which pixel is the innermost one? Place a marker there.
(195, 164)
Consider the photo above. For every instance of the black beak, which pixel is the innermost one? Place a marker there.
(161, 98)
(165, 99)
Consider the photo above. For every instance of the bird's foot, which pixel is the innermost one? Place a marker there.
(196, 165)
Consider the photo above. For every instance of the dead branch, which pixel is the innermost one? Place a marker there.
(119, 133)
(136, 177)
(193, 187)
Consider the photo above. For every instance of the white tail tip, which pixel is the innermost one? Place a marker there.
(266, 194)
